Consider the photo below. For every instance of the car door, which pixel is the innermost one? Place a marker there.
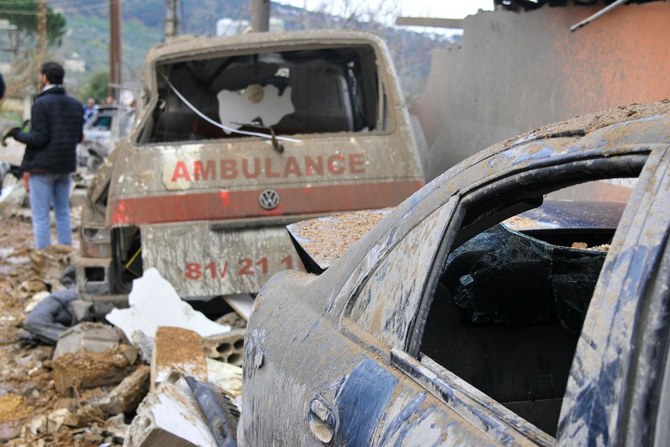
(615, 384)
(424, 403)
(397, 401)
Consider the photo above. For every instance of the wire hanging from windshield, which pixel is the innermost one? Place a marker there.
(221, 126)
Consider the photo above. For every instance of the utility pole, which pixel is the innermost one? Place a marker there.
(115, 77)
(171, 18)
(41, 34)
(260, 15)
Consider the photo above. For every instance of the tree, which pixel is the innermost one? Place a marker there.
(23, 14)
(98, 87)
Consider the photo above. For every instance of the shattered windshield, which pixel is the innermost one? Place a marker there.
(291, 92)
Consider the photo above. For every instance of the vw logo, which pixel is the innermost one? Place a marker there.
(269, 199)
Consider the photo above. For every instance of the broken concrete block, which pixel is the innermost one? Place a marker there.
(92, 337)
(128, 394)
(228, 347)
(169, 416)
(129, 352)
(85, 369)
(180, 350)
(154, 303)
(228, 378)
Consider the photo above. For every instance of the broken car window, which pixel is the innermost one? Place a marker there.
(512, 295)
(290, 92)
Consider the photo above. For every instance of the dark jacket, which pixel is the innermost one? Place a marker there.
(56, 128)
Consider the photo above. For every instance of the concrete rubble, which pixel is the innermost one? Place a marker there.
(153, 303)
(169, 417)
(226, 347)
(83, 369)
(177, 350)
(228, 378)
(92, 337)
(94, 378)
(49, 264)
(127, 395)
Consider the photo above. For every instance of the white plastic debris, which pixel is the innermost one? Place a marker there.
(154, 303)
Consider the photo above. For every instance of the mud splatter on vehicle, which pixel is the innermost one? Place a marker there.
(237, 137)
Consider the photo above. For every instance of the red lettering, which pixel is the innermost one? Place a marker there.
(228, 169)
(247, 265)
(288, 262)
(313, 166)
(257, 168)
(205, 173)
(357, 163)
(268, 169)
(292, 168)
(333, 165)
(180, 171)
(263, 264)
(212, 269)
(193, 271)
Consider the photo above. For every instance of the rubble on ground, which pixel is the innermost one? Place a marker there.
(84, 383)
(154, 302)
(155, 424)
(177, 350)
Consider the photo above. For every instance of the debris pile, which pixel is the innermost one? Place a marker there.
(157, 373)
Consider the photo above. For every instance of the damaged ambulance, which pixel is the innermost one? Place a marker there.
(235, 138)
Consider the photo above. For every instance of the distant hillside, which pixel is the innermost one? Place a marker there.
(143, 21)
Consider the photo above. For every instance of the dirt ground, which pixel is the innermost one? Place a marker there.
(27, 392)
(30, 408)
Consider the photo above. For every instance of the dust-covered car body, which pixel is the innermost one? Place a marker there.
(235, 138)
(424, 333)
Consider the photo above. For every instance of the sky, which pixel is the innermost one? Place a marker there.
(445, 9)
(450, 9)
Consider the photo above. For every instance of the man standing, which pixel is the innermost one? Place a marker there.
(89, 109)
(50, 156)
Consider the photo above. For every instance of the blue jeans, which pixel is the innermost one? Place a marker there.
(47, 190)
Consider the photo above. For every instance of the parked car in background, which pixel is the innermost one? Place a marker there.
(107, 125)
(481, 311)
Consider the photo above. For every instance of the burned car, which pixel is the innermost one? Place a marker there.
(235, 137)
(482, 311)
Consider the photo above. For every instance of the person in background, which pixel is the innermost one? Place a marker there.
(2, 87)
(89, 109)
(50, 156)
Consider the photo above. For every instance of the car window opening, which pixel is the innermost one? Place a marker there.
(102, 122)
(508, 309)
(288, 93)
